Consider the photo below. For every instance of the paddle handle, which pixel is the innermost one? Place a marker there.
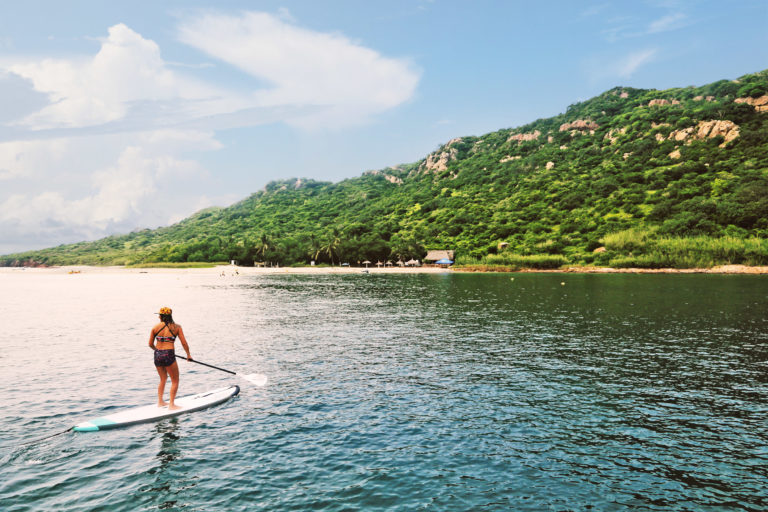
(206, 364)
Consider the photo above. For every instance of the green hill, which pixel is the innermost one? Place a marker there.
(649, 178)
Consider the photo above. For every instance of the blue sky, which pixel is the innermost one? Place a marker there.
(116, 116)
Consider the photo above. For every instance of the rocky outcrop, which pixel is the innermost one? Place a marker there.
(439, 160)
(699, 98)
(681, 135)
(509, 158)
(613, 134)
(389, 177)
(524, 137)
(727, 129)
(550, 165)
(478, 146)
(658, 103)
(760, 104)
(580, 125)
(707, 130)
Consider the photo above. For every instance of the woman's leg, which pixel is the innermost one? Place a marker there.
(161, 371)
(173, 371)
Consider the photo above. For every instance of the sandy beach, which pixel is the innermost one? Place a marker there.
(228, 270)
(218, 270)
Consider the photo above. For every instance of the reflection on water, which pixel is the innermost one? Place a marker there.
(169, 451)
(449, 392)
(167, 483)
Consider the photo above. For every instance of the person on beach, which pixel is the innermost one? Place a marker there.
(161, 340)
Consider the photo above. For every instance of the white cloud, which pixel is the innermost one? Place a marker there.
(312, 78)
(285, 14)
(91, 145)
(632, 62)
(18, 97)
(610, 67)
(26, 158)
(127, 73)
(139, 188)
(619, 27)
(593, 10)
(670, 21)
(305, 67)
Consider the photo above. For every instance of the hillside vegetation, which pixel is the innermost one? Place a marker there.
(649, 178)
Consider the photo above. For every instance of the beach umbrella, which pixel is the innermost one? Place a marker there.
(366, 263)
(444, 261)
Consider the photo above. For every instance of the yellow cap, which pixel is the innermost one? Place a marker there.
(165, 311)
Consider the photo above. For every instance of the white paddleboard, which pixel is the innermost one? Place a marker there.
(153, 412)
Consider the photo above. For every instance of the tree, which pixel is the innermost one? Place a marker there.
(263, 246)
(331, 246)
(315, 247)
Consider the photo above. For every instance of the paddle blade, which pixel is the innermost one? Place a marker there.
(258, 379)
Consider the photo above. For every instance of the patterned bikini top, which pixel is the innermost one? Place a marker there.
(166, 339)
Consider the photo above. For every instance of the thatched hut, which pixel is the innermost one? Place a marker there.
(433, 256)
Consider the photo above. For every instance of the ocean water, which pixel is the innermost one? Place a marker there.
(391, 392)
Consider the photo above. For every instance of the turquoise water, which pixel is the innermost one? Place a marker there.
(392, 392)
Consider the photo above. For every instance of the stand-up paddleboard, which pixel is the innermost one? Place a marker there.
(153, 412)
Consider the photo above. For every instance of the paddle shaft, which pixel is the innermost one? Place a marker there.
(206, 364)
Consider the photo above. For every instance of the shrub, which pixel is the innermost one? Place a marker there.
(628, 240)
(539, 261)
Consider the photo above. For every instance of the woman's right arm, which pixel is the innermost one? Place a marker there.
(184, 343)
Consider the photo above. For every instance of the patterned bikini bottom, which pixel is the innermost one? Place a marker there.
(165, 357)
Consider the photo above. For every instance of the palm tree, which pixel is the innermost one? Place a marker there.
(332, 243)
(315, 247)
(263, 245)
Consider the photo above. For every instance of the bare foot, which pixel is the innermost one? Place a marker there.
(173, 407)
(162, 404)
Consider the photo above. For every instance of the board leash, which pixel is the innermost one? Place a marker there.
(46, 437)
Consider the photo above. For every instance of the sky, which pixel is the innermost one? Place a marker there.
(117, 116)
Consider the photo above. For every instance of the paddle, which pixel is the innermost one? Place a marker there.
(254, 378)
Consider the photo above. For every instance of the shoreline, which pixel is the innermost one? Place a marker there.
(720, 269)
(231, 270)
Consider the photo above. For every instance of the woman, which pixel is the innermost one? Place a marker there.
(164, 334)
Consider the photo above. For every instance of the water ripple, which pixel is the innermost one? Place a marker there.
(413, 392)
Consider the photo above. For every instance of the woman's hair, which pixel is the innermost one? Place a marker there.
(167, 319)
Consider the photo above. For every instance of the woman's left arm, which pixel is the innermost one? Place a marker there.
(152, 339)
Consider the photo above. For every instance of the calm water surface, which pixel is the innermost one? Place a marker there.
(391, 392)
